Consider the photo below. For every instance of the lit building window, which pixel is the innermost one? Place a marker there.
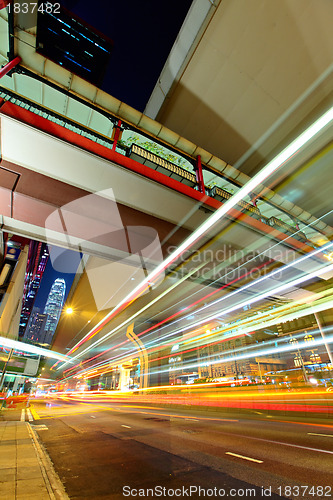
(315, 358)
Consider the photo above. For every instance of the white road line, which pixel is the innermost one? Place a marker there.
(317, 434)
(29, 415)
(92, 416)
(280, 443)
(192, 419)
(23, 415)
(199, 419)
(182, 416)
(245, 458)
(127, 426)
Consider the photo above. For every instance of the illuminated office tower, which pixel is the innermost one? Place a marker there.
(37, 259)
(35, 330)
(53, 308)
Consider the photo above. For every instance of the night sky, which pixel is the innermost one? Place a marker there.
(143, 34)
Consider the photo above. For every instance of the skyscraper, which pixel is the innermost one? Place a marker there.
(53, 308)
(37, 260)
(35, 330)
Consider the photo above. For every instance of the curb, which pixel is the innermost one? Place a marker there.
(53, 484)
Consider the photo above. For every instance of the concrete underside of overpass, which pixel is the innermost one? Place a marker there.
(46, 173)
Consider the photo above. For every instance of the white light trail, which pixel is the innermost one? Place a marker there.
(262, 296)
(251, 248)
(151, 303)
(255, 299)
(317, 434)
(241, 331)
(254, 354)
(32, 349)
(244, 330)
(250, 186)
(237, 306)
(271, 275)
(290, 317)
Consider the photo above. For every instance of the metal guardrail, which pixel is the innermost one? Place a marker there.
(273, 221)
(298, 235)
(55, 118)
(144, 156)
(161, 162)
(222, 193)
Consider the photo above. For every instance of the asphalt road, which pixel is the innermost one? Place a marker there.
(121, 449)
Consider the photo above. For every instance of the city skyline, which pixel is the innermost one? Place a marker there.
(40, 277)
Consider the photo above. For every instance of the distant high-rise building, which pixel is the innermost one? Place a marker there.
(37, 259)
(53, 308)
(35, 330)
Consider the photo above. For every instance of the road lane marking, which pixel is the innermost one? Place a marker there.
(188, 418)
(40, 427)
(278, 442)
(70, 414)
(29, 415)
(127, 426)
(317, 434)
(23, 415)
(245, 458)
(92, 416)
(295, 446)
(34, 414)
(192, 419)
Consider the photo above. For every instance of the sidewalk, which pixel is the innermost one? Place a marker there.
(26, 471)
